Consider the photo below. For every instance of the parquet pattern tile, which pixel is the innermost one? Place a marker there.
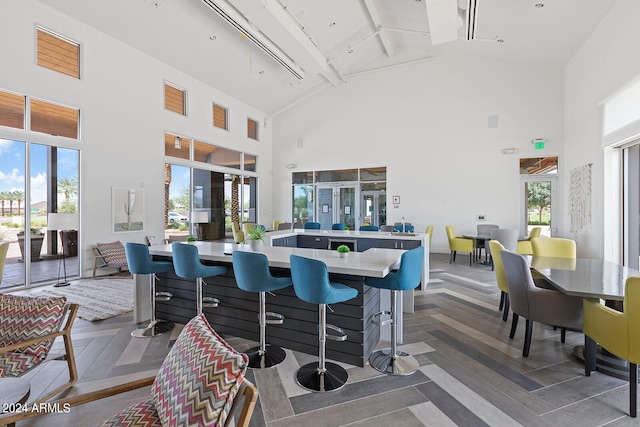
(471, 373)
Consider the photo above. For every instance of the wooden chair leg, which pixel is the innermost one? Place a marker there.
(528, 331)
(451, 257)
(514, 325)
(501, 300)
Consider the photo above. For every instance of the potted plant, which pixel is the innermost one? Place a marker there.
(343, 251)
(255, 236)
(191, 239)
(37, 237)
(346, 228)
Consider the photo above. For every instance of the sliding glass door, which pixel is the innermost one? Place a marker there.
(34, 256)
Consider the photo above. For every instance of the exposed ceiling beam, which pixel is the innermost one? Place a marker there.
(377, 23)
(443, 20)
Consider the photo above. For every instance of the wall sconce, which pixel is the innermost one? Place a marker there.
(177, 143)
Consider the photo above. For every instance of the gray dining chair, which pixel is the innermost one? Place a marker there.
(537, 304)
(508, 237)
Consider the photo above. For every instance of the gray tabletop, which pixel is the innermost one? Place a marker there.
(587, 278)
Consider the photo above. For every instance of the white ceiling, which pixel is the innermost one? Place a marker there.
(179, 32)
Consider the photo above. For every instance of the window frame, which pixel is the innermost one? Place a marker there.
(63, 38)
(184, 97)
(226, 116)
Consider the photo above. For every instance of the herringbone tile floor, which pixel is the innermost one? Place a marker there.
(471, 373)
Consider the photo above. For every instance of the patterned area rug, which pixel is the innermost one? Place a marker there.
(98, 299)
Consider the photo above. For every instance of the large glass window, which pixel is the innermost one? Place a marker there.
(52, 187)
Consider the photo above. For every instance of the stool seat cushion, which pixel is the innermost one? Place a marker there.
(187, 265)
(251, 270)
(311, 282)
(406, 277)
(139, 260)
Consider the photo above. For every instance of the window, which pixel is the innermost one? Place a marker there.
(58, 53)
(176, 146)
(11, 110)
(175, 99)
(215, 155)
(252, 129)
(220, 117)
(54, 119)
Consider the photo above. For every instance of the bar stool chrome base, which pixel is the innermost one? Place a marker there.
(311, 378)
(400, 364)
(153, 329)
(270, 357)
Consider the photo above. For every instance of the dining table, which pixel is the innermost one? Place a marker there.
(590, 278)
(477, 239)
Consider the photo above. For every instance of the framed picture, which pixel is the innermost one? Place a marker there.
(396, 200)
(127, 209)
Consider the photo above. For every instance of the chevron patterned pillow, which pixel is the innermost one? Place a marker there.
(199, 378)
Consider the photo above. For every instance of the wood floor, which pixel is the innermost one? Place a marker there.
(471, 373)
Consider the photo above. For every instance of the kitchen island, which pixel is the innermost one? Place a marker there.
(236, 314)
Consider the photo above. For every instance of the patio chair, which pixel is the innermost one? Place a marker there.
(109, 255)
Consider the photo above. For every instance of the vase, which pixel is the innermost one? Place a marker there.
(343, 254)
(36, 246)
(255, 245)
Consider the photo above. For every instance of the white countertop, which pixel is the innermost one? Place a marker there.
(374, 262)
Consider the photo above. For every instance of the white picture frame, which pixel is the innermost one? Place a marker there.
(127, 209)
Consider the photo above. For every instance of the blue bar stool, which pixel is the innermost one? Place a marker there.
(312, 226)
(139, 262)
(251, 270)
(311, 284)
(338, 226)
(187, 265)
(407, 277)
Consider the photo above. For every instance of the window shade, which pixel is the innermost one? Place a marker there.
(54, 119)
(58, 54)
(11, 110)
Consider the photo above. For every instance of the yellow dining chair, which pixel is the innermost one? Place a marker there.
(617, 332)
(4, 248)
(458, 243)
(429, 231)
(495, 247)
(238, 235)
(276, 223)
(524, 246)
(553, 247)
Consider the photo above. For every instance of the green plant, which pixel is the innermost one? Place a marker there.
(346, 228)
(255, 233)
(343, 249)
(191, 239)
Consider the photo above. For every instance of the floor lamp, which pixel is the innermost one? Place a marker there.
(62, 222)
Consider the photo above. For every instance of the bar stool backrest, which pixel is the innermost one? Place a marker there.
(139, 260)
(310, 279)
(186, 261)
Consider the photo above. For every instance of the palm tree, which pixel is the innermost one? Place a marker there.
(68, 187)
(3, 198)
(19, 197)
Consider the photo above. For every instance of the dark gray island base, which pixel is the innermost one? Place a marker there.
(237, 313)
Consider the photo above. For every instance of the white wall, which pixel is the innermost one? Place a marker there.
(123, 119)
(428, 123)
(607, 61)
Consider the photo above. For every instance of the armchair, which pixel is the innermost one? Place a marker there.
(617, 332)
(4, 247)
(28, 327)
(458, 243)
(201, 382)
(109, 255)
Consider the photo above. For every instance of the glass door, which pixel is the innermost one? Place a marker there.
(374, 208)
(336, 203)
(538, 201)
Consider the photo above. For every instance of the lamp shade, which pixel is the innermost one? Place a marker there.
(198, 217)
(62, 221)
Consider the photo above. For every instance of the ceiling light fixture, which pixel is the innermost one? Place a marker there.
(240, 23)
(212, 37)
(177, 143)
(539, 5)
(333, 24)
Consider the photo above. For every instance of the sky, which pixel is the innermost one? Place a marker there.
(12, 167)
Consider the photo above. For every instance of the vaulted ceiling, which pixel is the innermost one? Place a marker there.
(333, 41)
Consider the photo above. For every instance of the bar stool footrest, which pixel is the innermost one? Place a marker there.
(399, 364)
(210, 302)
(163, 296)
(375, 318)
(333, 378)
(274, 318)
(272, 356)
(342, 335)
